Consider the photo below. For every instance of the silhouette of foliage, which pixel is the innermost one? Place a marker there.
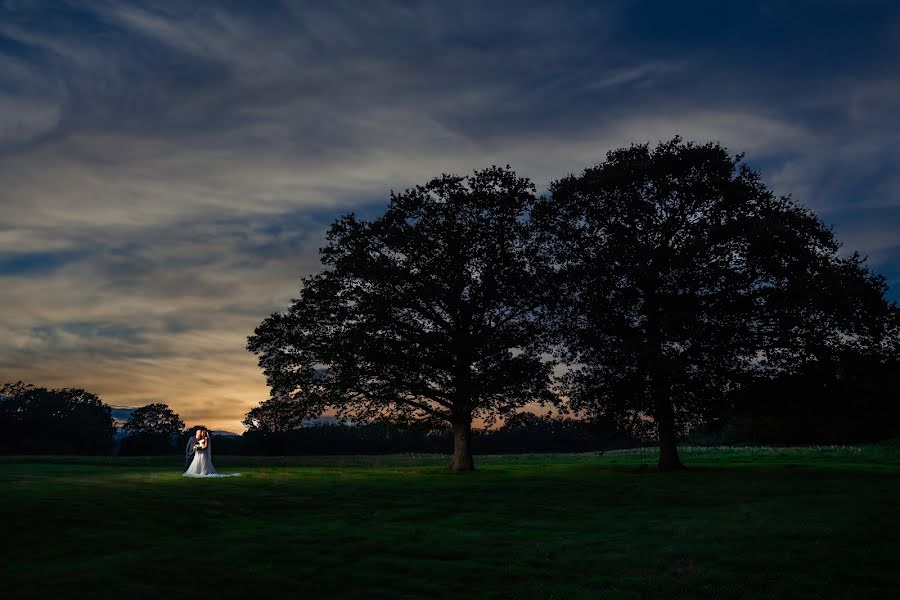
(147, 444)
(157, 419)
(850, 397)
(151, 429)
(37, 420)
(521, 434)
(428, 314)
(274, 415)
(677, 271)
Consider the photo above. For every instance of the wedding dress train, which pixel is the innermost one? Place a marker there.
(202, 465)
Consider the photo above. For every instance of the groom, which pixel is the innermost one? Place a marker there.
(189, 449)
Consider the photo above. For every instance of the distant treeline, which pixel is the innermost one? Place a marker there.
(850, 401)
(853, 400)
(524, 435)
(37, 420)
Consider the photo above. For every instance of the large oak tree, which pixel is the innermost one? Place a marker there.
(428, 313)
(678, 270)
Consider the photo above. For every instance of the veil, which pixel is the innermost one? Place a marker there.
(203, 460)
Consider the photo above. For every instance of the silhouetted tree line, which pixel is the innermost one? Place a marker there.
(524, 433)
(851, 398)
(152, 429)
(684, 299)
(37, 420)
(673, 284)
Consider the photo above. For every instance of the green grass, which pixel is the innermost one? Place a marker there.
(740, 523)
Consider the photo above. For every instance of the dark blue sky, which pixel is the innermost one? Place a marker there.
(167, 170)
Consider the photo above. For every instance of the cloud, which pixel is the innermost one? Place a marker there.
(167, 171)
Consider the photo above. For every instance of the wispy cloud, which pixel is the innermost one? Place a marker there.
(167, 170)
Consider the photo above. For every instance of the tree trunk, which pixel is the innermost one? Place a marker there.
(665, 427)
(462, 447)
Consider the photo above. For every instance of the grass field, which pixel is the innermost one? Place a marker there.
(740, 523)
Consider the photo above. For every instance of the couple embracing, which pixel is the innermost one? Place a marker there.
(198, 457)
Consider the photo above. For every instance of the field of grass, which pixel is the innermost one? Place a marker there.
(740, 523)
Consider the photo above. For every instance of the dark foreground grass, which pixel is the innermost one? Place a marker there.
(740, 523)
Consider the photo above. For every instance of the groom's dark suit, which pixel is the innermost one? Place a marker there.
(189, 452)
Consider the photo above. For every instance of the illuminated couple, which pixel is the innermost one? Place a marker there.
(198, 456)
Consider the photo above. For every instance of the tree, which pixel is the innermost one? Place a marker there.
(275, 415)
(154, 419)
(677, 270)
(843, 398)
(429, 313)
(54, 421)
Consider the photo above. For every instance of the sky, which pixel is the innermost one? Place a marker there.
(168, 170)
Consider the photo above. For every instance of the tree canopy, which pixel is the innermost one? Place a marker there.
(677, 270)
(53, 421)
(274, 415)
(428, 313)
(667, 278)
(154, 419)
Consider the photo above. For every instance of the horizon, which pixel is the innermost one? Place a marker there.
(169, 171)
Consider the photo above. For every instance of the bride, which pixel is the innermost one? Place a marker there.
(202, 465)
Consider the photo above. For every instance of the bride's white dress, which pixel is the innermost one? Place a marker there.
(202, 465)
